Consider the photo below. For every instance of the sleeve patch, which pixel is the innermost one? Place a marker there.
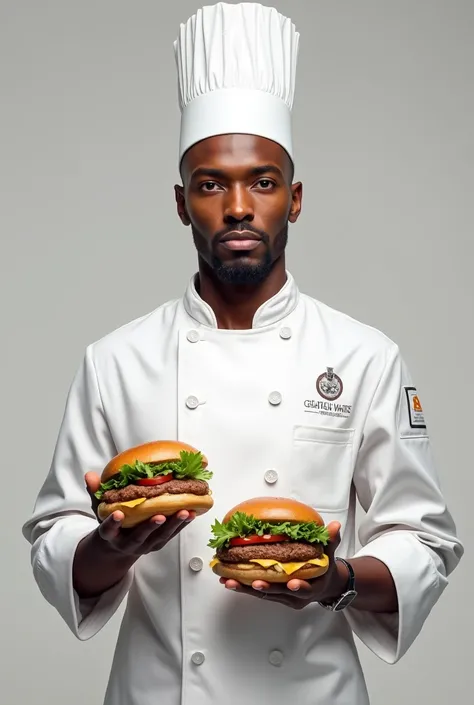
(412, 421)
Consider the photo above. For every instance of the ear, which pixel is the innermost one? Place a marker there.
(296, 199)
(181, 205)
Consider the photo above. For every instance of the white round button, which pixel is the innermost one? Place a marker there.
(275, 398)
(271, 476)
(285, 333)
(198, 658)
(276, 658)
(192, 402)
(196, 564)
(193, 336)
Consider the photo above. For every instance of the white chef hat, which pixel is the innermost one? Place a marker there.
(236, 69)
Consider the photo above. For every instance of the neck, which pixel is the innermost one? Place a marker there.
(235, 305)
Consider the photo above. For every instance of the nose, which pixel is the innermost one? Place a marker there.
(238, 206)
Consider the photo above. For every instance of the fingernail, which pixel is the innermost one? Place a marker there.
(158, 522)
(117, 519)
(257, 588)
(230, 588)
(294, 589)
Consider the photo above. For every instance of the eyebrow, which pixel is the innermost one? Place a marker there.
(220, 174)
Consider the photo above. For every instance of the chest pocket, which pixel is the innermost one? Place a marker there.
(322, 467)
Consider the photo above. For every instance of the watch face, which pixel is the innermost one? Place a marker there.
(345, 600)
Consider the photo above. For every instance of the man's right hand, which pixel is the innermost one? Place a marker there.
(151, 535)
(105, 556)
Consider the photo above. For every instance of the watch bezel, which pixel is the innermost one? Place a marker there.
(344, 601)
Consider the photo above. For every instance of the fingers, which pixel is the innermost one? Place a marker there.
(148, 536)
(274, 593)
(170, 528)
(300, 586)
(109, 529)
(300, 589)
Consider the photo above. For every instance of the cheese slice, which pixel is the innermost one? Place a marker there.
(133, 502)
(290, 568)
(287, 568)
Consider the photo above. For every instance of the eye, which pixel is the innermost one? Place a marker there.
(208, 186)
(266, 184)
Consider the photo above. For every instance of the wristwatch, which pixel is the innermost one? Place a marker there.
(348, 596)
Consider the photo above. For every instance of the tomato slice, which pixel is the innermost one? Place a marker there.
(159, 480)
(266, 538)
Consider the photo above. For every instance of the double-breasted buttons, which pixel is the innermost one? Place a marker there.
(275, 398)
(193, 336)
(198, 658)
(271, 476)
(192, 402)
(276, 658)
(196, 564)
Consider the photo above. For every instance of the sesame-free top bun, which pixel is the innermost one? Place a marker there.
(276, 509)
(153, 452)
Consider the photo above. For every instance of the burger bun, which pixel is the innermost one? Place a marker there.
(152, 452)
(165, 505)
(247, 573)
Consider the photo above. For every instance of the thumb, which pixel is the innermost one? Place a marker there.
(334, 529)
(92, 482)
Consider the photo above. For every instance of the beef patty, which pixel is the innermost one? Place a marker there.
(126, 494)
(285, 552)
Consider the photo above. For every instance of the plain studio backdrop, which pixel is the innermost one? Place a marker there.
(383, 125)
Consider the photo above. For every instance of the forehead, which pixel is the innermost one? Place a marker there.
(235, 152)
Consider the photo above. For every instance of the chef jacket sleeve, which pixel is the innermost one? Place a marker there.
(62, 514)
(407, 524)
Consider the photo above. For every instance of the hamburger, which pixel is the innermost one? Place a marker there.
(160, 477)
(271, 539)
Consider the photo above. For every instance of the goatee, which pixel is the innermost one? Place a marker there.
(243, 272)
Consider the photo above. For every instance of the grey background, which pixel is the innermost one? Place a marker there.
(90, 239)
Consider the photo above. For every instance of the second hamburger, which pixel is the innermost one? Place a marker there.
(272, 539)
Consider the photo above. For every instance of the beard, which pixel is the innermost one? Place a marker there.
(241, 271)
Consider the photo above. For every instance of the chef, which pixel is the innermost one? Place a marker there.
(285, 397)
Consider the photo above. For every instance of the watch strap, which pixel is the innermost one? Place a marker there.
(350, 570)
(348, 595)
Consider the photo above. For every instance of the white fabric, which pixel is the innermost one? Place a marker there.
(185, 639)
(236, 67)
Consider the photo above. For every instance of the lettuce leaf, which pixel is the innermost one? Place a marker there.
(189, 467)
(241, 525)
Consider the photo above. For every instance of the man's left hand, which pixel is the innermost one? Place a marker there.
(297, 594)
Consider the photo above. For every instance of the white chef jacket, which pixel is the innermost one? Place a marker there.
(254, 402)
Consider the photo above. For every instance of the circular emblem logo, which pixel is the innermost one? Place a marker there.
(329, 385)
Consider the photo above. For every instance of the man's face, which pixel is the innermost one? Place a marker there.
(238, 197)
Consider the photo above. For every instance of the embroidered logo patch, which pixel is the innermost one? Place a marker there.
(329, 385)
(415, 410)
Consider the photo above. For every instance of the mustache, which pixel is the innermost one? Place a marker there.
(242, 227)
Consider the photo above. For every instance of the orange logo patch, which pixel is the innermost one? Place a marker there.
(417, 404)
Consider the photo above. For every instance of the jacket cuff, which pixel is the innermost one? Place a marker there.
(52, 559)
(418, 584)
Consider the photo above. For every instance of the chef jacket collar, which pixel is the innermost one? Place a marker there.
(270, 312)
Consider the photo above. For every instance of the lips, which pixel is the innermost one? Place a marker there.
(241, 240)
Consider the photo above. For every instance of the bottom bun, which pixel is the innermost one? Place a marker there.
(166, 505)
(247, 573)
